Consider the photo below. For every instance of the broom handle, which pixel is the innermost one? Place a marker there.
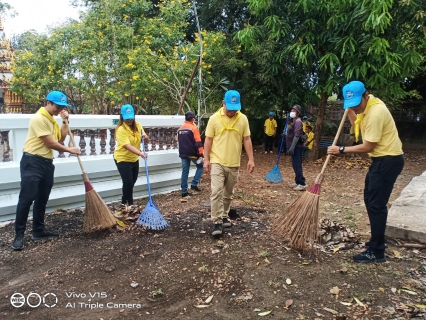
(146, 170)
(282, 139)
(78, 156)
(335, 139)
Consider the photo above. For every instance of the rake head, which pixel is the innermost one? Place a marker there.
(151, 218)
(274, 175)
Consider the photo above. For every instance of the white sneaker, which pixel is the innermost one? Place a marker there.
(299, 187)
(271, 151)
(266, 152)
(292, 185)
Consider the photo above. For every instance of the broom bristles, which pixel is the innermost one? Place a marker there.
(97, 215)
(299, 225)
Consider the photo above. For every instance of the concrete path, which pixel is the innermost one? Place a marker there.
(407, 216)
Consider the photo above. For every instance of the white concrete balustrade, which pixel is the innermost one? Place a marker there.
(95, 134)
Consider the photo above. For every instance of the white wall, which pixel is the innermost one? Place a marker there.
(68, 191)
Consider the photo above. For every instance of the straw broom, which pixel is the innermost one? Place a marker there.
(299, 224)
(97, 215)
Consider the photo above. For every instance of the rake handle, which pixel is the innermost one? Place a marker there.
(282, 139)
(78, 156)
(342, 122)
(146, 171)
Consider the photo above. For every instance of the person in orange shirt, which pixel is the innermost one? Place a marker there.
(190, 150)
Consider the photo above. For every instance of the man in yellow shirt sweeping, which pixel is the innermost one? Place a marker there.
(381, 141)
(37, 169)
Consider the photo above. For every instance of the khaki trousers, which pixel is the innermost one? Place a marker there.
(223, 181)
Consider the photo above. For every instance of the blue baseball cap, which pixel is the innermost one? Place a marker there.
(352, 94)
(127, 112)
(272, 113)
(232, 100)
(304, 117)
(58, 98)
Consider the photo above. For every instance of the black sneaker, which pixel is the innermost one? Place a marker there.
(18, 242)
(195, 188)
(186, 194)
(368, 256)
(367, 244)
(41, 235)
(226, 223)
(217, 229)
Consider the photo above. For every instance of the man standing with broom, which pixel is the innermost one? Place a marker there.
(382, 143)
(226, 131)
(37, 169)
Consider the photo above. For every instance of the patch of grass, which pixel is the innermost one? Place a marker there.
(264, 253)
(156, 293)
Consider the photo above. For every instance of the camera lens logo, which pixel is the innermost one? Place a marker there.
(17, 300)
(34, 300)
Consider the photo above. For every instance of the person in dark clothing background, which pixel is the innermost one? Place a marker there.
(190, 150)
(294, 146)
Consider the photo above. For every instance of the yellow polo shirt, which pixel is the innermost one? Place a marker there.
(311, 137)
(378, 126)
(39, 126)
(124, 135)
(227, 146)
(270, 126)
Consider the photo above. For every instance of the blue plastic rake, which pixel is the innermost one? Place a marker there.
(151, 217)
(274, 175)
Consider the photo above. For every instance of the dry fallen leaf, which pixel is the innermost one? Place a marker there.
(397, 254)
(359, 302)
(382, 289)
(203, 306)
(409, 292)
(335, 290)
(209, 299)
(346, 303)
(393, 290)
(267, 261)
(120, 223)
(288, 303)
(331, 310)
(262, 314)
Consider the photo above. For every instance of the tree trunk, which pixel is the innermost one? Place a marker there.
(319, 124)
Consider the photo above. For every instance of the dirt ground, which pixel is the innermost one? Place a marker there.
(247, 273)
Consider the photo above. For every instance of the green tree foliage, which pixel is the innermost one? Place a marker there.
(380, 42)
(123, 51)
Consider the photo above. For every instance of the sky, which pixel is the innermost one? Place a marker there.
(37, 15)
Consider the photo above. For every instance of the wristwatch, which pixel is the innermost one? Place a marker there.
(342, 149)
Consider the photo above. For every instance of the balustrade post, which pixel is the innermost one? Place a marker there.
(112, 141)
(82, 143)
(175, 138)
(161, 138)
(6, 146)
(169, 141)
(92, 142)
(103, 134)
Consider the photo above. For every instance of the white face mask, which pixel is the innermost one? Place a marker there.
(293, 115)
